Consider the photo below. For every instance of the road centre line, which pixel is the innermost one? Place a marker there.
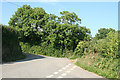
(63, 68)
(55, 73)
(59, 71)
(74, 66)
(71, 69)
(69, 64)
(64, 74)
(49, 76)
(68, 71)
(60, 77)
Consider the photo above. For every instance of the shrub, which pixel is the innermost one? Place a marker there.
(81, 47)
(97, 46)
(25, 47)
(101, 53)
(45, 49)
(107, 47)
(11, 49)
(97, 64)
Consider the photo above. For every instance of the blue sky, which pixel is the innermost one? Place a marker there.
(94, 15)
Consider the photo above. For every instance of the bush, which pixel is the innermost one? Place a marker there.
(81, 47)
(68, 53)
(107, 47)
(100, 54)
(11, 49)
(98, 46)
(45, 49)
(97, 64)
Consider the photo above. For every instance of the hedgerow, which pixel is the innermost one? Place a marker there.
(102, 55)
(11, 49)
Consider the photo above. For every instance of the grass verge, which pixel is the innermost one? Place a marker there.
(106, 67)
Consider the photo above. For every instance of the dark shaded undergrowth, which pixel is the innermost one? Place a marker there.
(11, 49)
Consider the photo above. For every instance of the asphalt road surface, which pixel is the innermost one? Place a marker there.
(35, 66)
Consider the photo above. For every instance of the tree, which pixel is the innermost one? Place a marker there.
(102, 33)
(70, 18)
(36, 26)
(29, 22)
(65, 35)
(27, 16)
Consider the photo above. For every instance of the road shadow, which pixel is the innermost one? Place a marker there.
(28, 58)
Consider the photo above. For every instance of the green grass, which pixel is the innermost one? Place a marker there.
(108, 68)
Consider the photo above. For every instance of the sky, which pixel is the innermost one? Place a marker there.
(94, 15)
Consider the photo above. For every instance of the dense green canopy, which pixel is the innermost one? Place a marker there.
(37, 26)
(102, 33)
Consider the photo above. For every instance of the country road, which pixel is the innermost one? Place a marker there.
(36, 66)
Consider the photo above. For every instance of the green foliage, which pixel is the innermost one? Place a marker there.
(27, 20)
(107, 47)
(48, 34)
(44, 49)
(106, 67)
(112, 38)
(11, 50)
(102, 33)
(70, 18)
(99, 55)
(30, 35)
(81, 48)
(73, 57)
(26, 16)
(60, 36)
(65, 35)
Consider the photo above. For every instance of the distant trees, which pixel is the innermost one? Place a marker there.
(102, 33)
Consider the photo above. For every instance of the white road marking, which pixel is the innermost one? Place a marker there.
(71, 69)
(69, 64)
(60, 70)
(74, 67)
(63, 68)
(66, 66)
(49, 76)
(55, 73)
(60, 77)
(67, 71)
(64, 74)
